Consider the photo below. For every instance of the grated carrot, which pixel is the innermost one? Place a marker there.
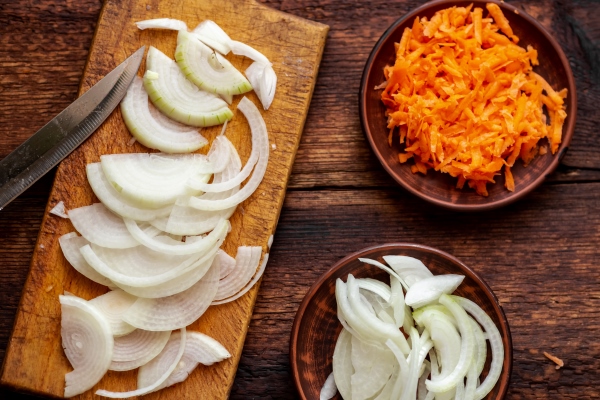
(466, 100)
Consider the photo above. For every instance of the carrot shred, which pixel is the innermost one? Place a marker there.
(466, 100)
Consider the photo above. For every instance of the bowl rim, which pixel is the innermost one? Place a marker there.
(568, 129)
(504, 327)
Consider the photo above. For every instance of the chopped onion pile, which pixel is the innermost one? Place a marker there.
(374, 360)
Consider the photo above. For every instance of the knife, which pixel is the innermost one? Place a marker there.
(59, 137)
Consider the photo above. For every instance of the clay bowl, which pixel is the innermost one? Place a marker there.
(439, 188)
(316, 326)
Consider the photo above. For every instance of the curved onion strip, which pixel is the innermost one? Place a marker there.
(397, 301)
(100, 226)
(256, 123)
(151, 180)
(385, 268)
(403, 371)
(222, 153)
(429, 290)
(88, 344)
(137, 348)
(263, 79)
(421, 388)
(162, 23)
(373, 365)
(414, 366)
(226, 263)
(249, 286)
(177, 97)
(60, 210)
(206, 69)
(70, 245)
(495, 343)
(377, 287)
(115, 201)
(466, 349)
(172, 312)
(157, 383)
(152, 128)
(213, 36)
(342, 363)
(112, 305)
(190, 247)
(473, 373)
(481, 348)
(246, 263)
(409, 268)
(329, 389)
(242, 49)
(178, 284)
(199, 348)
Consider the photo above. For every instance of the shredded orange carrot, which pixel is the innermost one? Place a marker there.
(465, 98)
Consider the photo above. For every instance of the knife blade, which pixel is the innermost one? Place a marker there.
(59, 137)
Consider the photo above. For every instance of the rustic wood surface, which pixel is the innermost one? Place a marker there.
(539, 255)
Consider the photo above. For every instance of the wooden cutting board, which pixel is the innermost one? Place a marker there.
(35, 361)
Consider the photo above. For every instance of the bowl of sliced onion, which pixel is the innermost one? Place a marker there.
(400, 321)
(468, 104)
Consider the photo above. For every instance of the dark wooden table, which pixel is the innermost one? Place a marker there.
(541, 256)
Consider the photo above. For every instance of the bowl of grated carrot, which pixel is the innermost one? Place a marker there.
(468, 104)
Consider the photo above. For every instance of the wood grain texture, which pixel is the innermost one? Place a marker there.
(540, 255)
(34, 356)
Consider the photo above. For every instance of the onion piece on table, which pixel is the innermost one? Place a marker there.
(263, 79)
(152, 128)
(88, 343)
(70, 244)
(246, 263)
(211, 34)
(199, 349)
(60, 210)
(162, 23)
(207, 69)
(429, 290)
(112, 305)
(137, 348)
(249, 285)
(177, 97)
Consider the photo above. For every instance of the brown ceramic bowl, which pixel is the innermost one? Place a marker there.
(439, 188)
(316, 326)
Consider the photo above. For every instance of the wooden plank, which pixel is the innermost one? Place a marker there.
(34, 360)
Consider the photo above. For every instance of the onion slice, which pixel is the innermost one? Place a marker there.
(157, 383)
(177, 97)
(329, 388)
(429, 290)
(162, 23)
(213, 36)
(88, 344)
(246, 263)
(409, 268)
(242, 49)
(263, 79)
(113, 305)
(137, 348)
(59, 210)
(249, 286)
(152, 128)
(70, 245)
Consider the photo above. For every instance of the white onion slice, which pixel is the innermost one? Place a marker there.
(116, 202)
(88, 344)
(429, 290)
(152, 128)
(342, 364)
(177, 311)
(213, 36)
(242, 49)
(250, 284)
(59, 210)
(263, 79)
(151, 180)
(373, 365)
(100, 226)
(157, 383)
(409, 268)
(137, 348)
(206, 69)
(177, 97)
(199, 349)
(257, 124)
(246, 263)
(70, 245)
(112, 305)
(226, 263)
(329, 389)
(162, 23)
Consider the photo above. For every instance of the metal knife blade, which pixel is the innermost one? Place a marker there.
(59, 137)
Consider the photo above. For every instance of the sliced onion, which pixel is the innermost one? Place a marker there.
(249, 286)
(199, 349)
(226, 264)
(263, 79)
(137, 348)
(246, 263)
(206, 69)
(70, 245)
(429, 290)
(213, 36)
(162, 23)
(257, 124)
(88, 344)
(151, 180)
(242, 49)
(329, 389)
(157, 383)
(59, 210)
(99, 225)
(373, 365)
(116, 202)
(112, 305)
(152, 128)
(410, 269)
(342, 364)
(177, 311)
(385, 268)
(178, 98)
